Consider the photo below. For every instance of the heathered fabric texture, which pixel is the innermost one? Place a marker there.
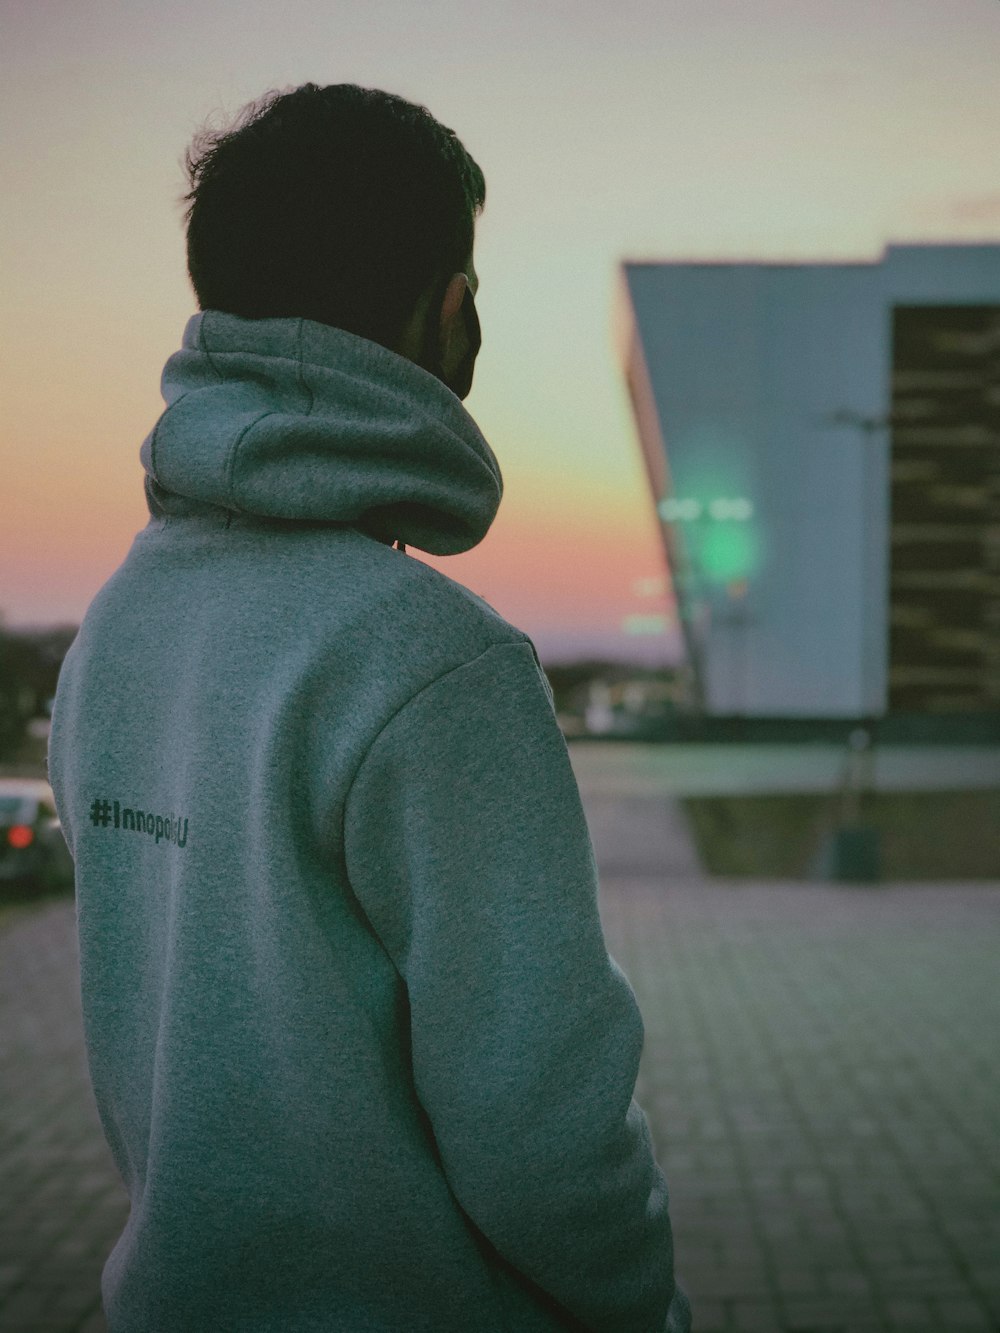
(357, 1044)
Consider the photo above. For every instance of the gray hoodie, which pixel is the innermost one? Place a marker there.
(357, 1044)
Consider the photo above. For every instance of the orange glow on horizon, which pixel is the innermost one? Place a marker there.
(808, 131)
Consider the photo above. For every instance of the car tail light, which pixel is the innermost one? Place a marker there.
(20, 835)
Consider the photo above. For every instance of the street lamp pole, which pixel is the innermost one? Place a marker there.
(867, 427)
(856, 847)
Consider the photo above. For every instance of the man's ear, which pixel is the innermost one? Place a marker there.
(426, 338)
(451, 306)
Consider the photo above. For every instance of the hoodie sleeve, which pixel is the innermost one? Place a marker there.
(467, 845)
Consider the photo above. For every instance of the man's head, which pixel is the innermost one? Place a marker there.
(345, 205)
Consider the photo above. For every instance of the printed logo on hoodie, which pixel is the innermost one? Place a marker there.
(112, 814)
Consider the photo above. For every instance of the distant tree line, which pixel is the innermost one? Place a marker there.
(29, 668)
(30, 660)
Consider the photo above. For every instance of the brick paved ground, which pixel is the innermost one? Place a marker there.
(63, 1203)
(821, 1079)
(820, 1074)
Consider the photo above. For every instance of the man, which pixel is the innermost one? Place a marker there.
(357, 1044)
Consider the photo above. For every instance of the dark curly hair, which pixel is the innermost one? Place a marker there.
(339, 204)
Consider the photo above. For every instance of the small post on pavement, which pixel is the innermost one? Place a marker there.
(854, 851)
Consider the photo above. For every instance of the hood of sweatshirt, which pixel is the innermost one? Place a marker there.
(289, 419)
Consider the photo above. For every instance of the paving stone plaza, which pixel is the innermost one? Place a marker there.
(820, 1073)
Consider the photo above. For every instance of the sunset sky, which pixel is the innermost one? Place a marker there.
(646, 129)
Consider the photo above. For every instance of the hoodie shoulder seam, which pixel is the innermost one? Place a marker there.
(470, 661)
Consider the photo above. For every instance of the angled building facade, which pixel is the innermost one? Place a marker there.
(822, 445)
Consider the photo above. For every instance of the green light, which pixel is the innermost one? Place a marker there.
(728, 551)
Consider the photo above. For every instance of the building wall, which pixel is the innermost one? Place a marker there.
(745, 362)
(749, 367)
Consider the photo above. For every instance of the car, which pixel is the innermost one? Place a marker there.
(33, 851)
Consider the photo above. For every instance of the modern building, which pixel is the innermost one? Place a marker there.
(822, 444)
